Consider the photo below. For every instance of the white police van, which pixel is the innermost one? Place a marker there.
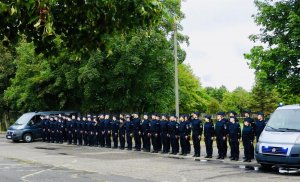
(279, 143)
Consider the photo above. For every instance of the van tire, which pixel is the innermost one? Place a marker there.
(27, 137)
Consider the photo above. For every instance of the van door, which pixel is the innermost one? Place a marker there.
(35, 126)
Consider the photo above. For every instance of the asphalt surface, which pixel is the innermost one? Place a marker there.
(43, 162)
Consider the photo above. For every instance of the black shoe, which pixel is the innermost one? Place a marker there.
(209, 157)
(236, 159)
(129, 148)
(232, 158)
(206, 157)
(219, 157)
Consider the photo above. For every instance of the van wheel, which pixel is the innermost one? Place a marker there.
(266, 166)
(27, 138)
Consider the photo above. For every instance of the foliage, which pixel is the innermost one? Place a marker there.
(239, 100)
(264, 98)
(7, 69)
(276, 63)
(191, 96)
(217, 93)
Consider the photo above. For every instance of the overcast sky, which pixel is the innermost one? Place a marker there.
(218, 32)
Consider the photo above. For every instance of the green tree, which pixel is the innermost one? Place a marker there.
(276, 62)
(213, 106)
(7, 70)
(82, 25)
(217, 93)
(239, 100)
(264, 98)
(191, 96)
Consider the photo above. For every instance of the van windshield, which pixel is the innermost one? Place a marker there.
(285, 120)
(24, 119)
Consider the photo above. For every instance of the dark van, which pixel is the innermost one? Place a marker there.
(29, 127)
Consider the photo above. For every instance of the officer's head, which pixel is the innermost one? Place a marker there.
(207, 118)
(145, 116)
(232, 113)
(196, 115)
(121, 116)
(172, 117)
(246, 121)
(101, 116)
(232, 119)
(164, 117)
(247, 113)
(260, 115)
(47, 117)
(83, 118)
(153, 116)
(220, 115)
(106, 116)
(127, 117)
(135, 115)
(73, 116)
(157, 117)
(114, 117)
(181, 118)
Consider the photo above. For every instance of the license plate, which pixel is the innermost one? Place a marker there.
(8, 137)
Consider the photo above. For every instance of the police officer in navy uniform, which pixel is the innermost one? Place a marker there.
(115, 131)
(74, 129)
(155, 130)
(101, 130)
(47, 128)
(122, 132)
(43, 121)
(174, 134)
(259, 125)
(69, 128)
(209, 132)
(93, 131)
(137, 127)
(164, 133)
(252, 123)
(159, 140)
(197, 129)
(88, 130)
(187, 120)
(182, 133)
(247, 137)
(107, 125)
(52, 128)
(129, 131)
(221, 132)
(85, 132)
(60, 130)
(79, 130)
(234, 132)
(146, 133)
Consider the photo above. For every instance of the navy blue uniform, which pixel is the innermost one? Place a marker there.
(101, 131)
(85, 132)
(115, 132)
(146, 135)
(129, 131)
(165, 137)
(60, 131)
(53, 126)
(137, 124)
(259, 127)
(88, 130)
(74, 131)
(122, 133)
(92, 133)
(80, 131)
(221, 132)
(43, 124)
(69, 127)
(252, 123)
(183, 131)
(155, 131)
(107, 125)
(234, 131)
(174, 134)
(209, 132)
(48, 131)
(247, 137)
(197, 129)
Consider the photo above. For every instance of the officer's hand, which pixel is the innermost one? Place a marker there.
(140, 133)
(212, 138)
(186, 137)
(108, 132)
(199, 137)
(224, 138)
(156, 134)
(149, 134)
(168, 135)
(131, 135)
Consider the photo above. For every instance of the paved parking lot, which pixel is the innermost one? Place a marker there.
(40, 161)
